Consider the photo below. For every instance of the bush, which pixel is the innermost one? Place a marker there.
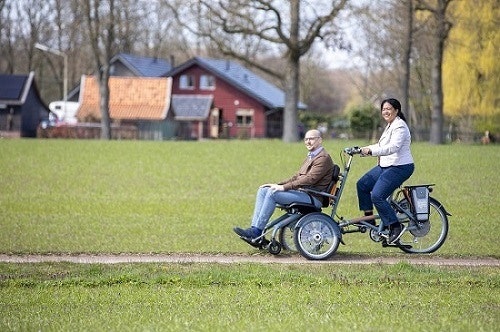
(364, 120)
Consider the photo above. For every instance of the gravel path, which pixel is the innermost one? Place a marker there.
(257, 258)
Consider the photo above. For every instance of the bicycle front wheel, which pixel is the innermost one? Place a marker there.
(317, 236)
(426, 236)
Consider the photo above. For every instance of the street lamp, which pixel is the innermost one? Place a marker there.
(65, 78)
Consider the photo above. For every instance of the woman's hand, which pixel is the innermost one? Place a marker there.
(366, 151)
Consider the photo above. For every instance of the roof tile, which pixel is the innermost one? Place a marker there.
(130, 98)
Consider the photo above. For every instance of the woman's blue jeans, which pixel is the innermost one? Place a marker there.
(377, 185)
(266, 201)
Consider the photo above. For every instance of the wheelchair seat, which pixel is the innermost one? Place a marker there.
(327, 196)
(332, 186)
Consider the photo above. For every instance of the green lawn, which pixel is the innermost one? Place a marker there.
(247, 297)
(136, 196)
(63, 196)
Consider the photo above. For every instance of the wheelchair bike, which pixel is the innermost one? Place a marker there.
(317, 235)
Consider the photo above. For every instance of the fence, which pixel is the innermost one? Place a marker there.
(87, 131)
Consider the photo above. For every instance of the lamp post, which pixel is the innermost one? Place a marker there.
(65, 77)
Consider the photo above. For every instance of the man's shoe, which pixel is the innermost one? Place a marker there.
(249, 233)
(260, 243)
(395, 232)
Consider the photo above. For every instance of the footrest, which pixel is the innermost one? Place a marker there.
(260, 244)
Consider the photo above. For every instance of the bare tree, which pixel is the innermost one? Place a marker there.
(100, 20)
(438, 11)
(7, 63)
(407, 59)
(244, 29)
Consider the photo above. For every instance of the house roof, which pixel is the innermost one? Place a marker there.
(131, 98)
(143, 66)
(191, 107)
(139, 65)
(14, 88)
(240, 77)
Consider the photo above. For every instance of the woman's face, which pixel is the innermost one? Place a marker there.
(389, 113)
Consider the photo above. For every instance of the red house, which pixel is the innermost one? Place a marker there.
(214, 98)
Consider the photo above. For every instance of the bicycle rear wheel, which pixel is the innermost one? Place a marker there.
(317, 236)
(426, 236)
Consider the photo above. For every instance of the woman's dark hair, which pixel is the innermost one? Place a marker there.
(396, 104)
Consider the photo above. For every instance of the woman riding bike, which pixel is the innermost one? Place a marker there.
(395, 165)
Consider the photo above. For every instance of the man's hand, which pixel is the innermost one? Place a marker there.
(278, 187)
(274, 186)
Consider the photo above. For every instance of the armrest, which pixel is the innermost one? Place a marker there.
(312, 191)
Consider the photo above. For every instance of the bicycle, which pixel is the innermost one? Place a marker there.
(317, 235)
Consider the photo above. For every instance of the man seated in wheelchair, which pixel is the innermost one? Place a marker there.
(315, 173)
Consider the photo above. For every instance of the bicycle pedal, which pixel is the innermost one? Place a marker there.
(396, 245)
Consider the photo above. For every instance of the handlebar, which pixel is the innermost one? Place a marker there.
(352, 150)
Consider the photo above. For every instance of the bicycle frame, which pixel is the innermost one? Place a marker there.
(362, 224)
(359, 221)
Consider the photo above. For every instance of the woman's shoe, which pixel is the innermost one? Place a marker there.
(395, 232)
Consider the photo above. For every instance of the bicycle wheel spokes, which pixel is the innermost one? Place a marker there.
(426, 236)
(316, 237)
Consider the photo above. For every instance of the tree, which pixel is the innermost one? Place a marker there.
(6, 57)
(245, 29)
(438, 11)
(384, 39)
(364, 120)
(100, 20)
(471, 74)
(408, 42)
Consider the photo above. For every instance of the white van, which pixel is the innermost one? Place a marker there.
(65, 111)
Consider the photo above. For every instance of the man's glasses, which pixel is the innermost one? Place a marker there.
(310, 139)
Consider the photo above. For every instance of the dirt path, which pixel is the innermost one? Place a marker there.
(257, 258)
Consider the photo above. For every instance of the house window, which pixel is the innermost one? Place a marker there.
(207, 82)
(186, 82)
(244, 117)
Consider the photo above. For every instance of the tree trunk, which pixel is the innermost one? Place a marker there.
(443, 27)
(290, 125)
(290, 129)
(406, 60)
(104, 105)
(102, 39)
(441, 34)
(436, 134)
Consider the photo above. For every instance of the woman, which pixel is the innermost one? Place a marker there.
(395, 165)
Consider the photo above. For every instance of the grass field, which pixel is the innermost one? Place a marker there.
(63, 196)
(247, 297)
(134, 196)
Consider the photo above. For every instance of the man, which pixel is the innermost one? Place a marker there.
(315, 173)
